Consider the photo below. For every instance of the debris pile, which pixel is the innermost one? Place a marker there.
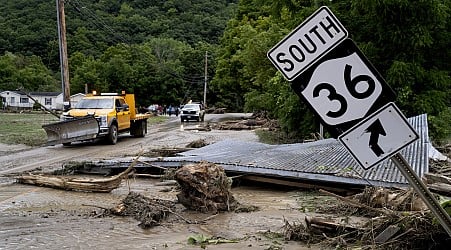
(150, 212)
(390, 223)
(257, 120)
(197, 144)
(406, 231)
(393, 199)
(205, 187)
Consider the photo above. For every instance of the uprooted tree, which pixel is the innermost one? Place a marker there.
(205, 187)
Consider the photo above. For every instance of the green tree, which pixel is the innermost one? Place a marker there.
(245, 78)
(28, 73)
(87, 71)
(407, 41)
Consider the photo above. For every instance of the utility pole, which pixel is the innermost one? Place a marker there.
(205, 84)
(63, 53)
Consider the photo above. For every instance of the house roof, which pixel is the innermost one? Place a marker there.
(14, 92)
(326, 160)
(17, 92)
(45, 93)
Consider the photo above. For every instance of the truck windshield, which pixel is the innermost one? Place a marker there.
(191, 106)
(95, 104)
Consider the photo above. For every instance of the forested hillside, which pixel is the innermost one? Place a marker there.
(154, 46)
(157, 50)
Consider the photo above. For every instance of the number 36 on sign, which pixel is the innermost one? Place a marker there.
(342, 88)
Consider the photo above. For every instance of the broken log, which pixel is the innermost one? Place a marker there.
(440, 188)
(101, 185)
(439, 184)
(327, 225)
(433, 178)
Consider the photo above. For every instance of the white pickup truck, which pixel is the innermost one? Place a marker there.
(192, 111)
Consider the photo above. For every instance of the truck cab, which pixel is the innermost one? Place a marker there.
(114, 113)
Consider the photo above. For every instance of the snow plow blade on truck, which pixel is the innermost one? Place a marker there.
(98, 116)
(65, 132)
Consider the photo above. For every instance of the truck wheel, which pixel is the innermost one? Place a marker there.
(144, 128)
(202, 119)
(112, 134)
(140, 129)
(67, 144)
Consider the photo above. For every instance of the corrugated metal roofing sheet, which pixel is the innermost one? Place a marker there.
(325, 160)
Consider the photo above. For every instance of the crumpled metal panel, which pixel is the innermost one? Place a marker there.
(324, 160)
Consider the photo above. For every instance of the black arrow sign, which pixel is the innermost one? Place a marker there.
(375, 129)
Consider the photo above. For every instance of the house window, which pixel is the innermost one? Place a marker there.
(23, 100)
(48, 101)
(12, 99)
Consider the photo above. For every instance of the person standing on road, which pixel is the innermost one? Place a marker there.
(170, 110)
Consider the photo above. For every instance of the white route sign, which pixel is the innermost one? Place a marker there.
(311, 40)
(342, 89)
(378, 136)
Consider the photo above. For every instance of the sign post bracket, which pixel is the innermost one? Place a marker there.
(421, 189)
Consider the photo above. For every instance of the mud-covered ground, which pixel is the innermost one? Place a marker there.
(34, 217)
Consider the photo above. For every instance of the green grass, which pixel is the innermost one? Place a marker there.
(157, 119)
(24, 128)
(276, 137)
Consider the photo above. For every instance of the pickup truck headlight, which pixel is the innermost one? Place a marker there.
(103, 121)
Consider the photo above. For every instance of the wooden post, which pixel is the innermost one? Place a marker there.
(63, 54)
(205, 78)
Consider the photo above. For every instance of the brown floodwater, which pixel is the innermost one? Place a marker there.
(43, 218)
(34, 217)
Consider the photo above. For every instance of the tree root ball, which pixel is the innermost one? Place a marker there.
(205, 187)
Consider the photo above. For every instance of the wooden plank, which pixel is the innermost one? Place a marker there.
(387, 234)
(299, 184)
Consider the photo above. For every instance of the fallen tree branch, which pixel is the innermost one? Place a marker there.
(356, 204)
(103, 185)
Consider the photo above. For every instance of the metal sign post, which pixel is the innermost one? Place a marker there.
(422, 191)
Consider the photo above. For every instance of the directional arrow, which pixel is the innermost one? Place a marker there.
(375, 129)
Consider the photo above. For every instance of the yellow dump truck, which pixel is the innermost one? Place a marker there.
(98, 116)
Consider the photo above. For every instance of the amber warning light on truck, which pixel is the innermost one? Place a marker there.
(312, 39)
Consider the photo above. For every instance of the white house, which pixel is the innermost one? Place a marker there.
(50, 100)
(15, 100)
(18, 100)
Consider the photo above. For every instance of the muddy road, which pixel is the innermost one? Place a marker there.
(34, 217)
(15, 159)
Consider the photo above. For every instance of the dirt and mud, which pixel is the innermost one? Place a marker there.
(147, 212)
(33, 217)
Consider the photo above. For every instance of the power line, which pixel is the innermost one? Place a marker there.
(93, 18)
(99, 23)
